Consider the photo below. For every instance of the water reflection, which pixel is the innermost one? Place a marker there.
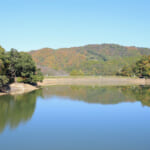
(19, 109)
(102, 95)
(139, 93)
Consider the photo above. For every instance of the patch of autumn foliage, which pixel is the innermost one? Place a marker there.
(106, 59)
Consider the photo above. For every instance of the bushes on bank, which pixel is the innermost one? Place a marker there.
(140, 69)
(77, 73)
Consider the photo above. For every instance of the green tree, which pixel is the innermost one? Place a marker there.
(14, 64)
(77, 73)
(11, 63)
(21, 64)
(2, 57)
(3, 82)
(142, 67)
(126, 71)
(3, 78)
(27, 70)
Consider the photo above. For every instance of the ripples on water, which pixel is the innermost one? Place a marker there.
(76, 117)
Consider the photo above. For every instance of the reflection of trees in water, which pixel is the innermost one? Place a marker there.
(17, 109)
(102, 95)
(140, 93)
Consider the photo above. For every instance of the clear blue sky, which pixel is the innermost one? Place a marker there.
(34, 24)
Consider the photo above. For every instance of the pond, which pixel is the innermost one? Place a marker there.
(76, 118)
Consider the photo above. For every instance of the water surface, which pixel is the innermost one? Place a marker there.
(76, 118)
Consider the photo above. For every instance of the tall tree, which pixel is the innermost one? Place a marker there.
(142, 67)
(11, 61)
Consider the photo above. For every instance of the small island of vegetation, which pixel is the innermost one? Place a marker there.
(17, 67)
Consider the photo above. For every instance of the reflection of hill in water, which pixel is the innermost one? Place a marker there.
(102, 95)
(17, 109)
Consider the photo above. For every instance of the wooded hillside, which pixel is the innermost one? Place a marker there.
(105, 59)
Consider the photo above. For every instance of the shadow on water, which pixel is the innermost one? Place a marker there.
(19, 109)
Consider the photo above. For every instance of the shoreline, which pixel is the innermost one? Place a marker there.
(92, 80)
(21, 88)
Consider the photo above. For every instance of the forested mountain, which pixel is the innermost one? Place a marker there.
(104, 59)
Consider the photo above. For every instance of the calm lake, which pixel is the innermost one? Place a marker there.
(76, 118)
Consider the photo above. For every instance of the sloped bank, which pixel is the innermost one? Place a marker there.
(20, 88)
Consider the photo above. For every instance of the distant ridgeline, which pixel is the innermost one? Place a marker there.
(105, 59)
